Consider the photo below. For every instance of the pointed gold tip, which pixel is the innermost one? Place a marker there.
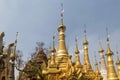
(85, 39)
(101, 50)
(111, 67)
(61, 26)
(76, 50)
(109, 52)
(61, 16)
(96, 66)
(53, 48)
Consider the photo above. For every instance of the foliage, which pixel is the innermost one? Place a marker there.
(33, 68)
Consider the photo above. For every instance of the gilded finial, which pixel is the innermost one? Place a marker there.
(62, 12)
(61, 50)
(53, 48)
(61, 16)
(77, 57)
(109, 52)
(53, 52)
(85, 39)
(77, 50)
(111, 73)
(108, 41)
(101, 50)
(61, 26)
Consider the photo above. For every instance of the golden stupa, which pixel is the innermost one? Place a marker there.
(60, 65)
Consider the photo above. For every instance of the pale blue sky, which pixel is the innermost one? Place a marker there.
(37, 20)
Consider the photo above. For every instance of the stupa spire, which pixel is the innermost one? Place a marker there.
(61, 16)
(53, 44)
(86, 56)
(103, 68)
(85, 39)
(97, 73)
(111, 73)
(53, 51)
(96, 67)
(61, 50)
(77, 57)
(61, 53)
